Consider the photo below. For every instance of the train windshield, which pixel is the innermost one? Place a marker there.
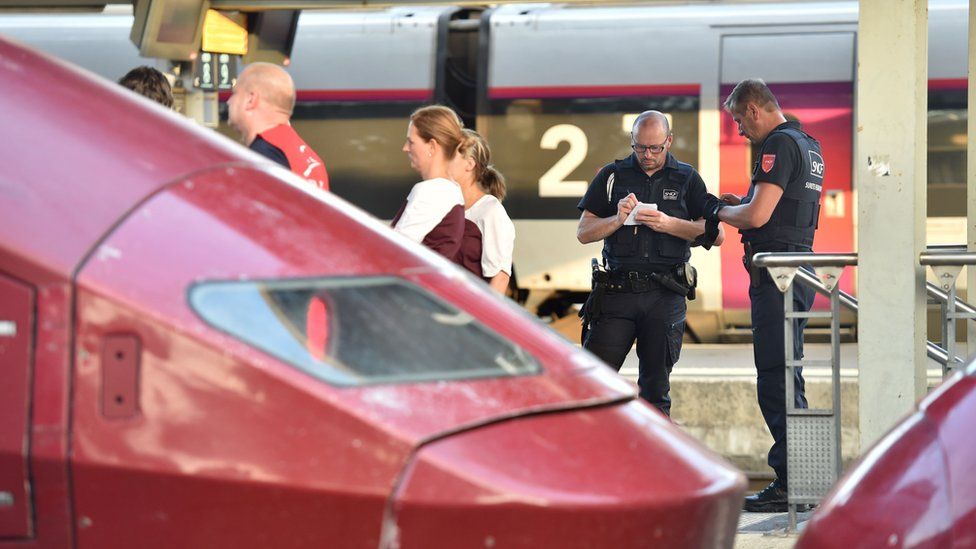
(357, 331)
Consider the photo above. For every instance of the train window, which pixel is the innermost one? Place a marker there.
(356, 331)
(947, 153)
(549, 148)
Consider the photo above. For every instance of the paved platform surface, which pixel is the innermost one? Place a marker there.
(768, 530)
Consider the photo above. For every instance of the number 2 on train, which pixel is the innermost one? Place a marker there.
(553, 183)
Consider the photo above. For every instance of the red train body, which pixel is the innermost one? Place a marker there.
(162, 386)
(916, 487)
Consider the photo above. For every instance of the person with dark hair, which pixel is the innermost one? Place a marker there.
(260, 109)
(149, 82)
(433, 213)
(647, 209)
(489, 234)
(779, 214)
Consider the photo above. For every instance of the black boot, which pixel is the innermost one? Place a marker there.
(771, 499)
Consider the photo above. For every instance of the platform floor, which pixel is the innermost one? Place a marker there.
(768, 530)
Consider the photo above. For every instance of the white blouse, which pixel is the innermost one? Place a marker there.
(497, 235)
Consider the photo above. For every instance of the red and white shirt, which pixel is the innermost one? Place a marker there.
(301, 158)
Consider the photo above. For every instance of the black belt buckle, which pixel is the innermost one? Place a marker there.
(637, 283)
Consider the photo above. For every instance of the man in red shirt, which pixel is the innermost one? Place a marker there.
(260, 109)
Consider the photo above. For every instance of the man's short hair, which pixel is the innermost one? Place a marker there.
(751, 90)
(149, 82)
(656, 116)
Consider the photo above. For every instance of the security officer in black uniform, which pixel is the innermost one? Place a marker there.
(779, 214)
(642, 293)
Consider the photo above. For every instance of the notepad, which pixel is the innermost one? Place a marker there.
(639, 207)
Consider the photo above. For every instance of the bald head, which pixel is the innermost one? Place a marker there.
(651, 118)
(264, 97)
(271, 83)
(651, 140)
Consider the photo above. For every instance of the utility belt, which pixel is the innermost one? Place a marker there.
(681, 279)
(633, 281)
(756, 274)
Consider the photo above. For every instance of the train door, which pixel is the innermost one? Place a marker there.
(459, 77)
(16, 332)
(812, 76)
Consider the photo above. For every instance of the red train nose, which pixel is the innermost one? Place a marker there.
(616, 476)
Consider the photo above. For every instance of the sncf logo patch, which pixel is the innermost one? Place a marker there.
(816, 164)
(767, 162)
(670, 194)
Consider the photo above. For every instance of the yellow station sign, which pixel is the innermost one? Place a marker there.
(221, 34)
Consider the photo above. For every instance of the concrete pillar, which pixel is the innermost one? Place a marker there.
(892, 102)
(971, 177)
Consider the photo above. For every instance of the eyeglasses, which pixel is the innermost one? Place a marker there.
(655, 149)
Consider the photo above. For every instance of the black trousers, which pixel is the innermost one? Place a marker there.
(768, 334)
(656, 319)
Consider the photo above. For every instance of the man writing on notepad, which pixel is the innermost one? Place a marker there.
(641, 291)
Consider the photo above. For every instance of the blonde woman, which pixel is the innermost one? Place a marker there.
(433, 213)
(489, 234)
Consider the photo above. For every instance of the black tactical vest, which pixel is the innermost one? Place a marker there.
(636, 247)
(795, 218)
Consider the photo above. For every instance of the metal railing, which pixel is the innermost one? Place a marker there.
(947, 265)
(935, 293)
(810, 431)
(849, 302)
(813, 453)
